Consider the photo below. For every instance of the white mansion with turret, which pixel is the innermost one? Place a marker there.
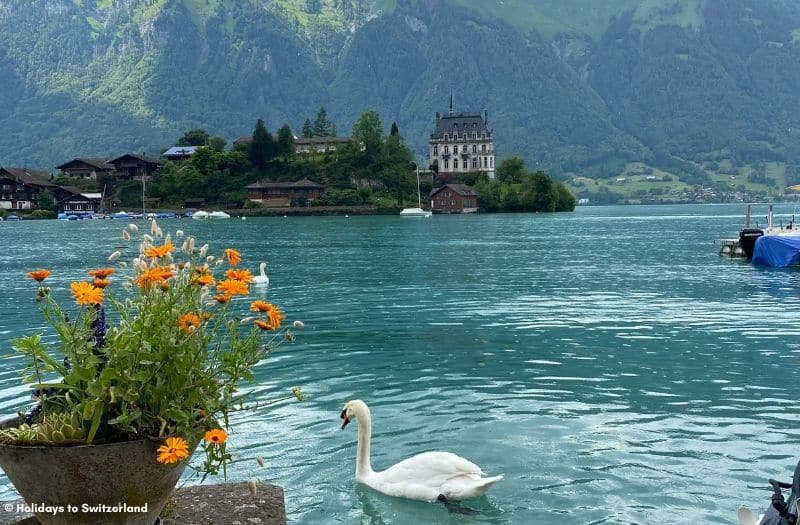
(462, 143)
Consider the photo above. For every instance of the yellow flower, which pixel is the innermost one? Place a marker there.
(233, 256)
(101, 273)
(174, 450)
(86, 293)
(216, 436)
(38, 275)
(156, 252)
(189, 322)
(232, 287)
(239, 275)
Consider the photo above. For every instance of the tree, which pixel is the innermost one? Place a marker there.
(395, 131)
(308, 131)
(194, 137)
(322, 127)
(285, 145)
(217, 143)
(262, 147)
(368, 132)
(510, 170)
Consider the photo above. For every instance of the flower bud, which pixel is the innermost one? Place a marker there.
(125, 235)
(132, 227)
(178, 233)
(299, 324)
(114, 256)
(203, 250)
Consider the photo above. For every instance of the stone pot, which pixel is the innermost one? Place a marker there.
(106, 484)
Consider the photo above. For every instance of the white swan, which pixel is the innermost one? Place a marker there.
(262, 279)
(426, 476)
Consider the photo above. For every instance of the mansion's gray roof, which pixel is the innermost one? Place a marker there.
(460, 123)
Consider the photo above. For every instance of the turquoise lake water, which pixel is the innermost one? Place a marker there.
(608, 362)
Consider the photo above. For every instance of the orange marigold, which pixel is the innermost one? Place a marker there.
(155, 275)
(201, 269)
(38, 275)
(216, 436)
(174, 450)
(156, 252)
(101, 273)
(232, 287)
(86, 293)
(263, 324)
(204, 279)
(222, 299)
(189, 322)
(233, 256)
(239, 275)
(260, 306)
(275, 317)
(101, 283)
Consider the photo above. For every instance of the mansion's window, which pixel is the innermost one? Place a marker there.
(436, 150)
(446, 136)
(455, 163)
(474, 162)
(474, 148)
(446, 150)
(446, 163)
(483, 148)
(491, 162)
(484, 162)
(474, 134)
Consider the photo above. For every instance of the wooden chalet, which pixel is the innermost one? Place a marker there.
(86, 168)
(75, 200)
(132, 166)
(454, 198)
(284, 194)
(20, 188)
(320, 144)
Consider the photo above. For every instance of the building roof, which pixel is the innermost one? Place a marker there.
(93, 162)
(461, 189)
(28, 176)
(180, 151)
(143, 158)
(462, 122)
(303, 183)
(323, 140)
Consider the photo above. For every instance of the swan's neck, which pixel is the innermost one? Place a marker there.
(363, 467)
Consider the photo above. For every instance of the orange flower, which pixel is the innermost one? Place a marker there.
(239, 275)
(275, 317)
(156, 275)
(156, 252)
(38, 275)
(216, 436)
(86, 293)
(204, 279)
(233, 256)
(232, 287)
(222, 299)
(101, 283)
(262, 324)
(189, 322)
(260, 306)
(174, 450)
(101, 273)
(201, 269)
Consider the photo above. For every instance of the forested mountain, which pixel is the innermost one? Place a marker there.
(692, 88)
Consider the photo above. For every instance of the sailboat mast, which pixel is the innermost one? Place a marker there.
(419, 196)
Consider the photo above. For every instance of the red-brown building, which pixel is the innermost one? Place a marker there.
(283, 194)
(86, 168)
(454, 198)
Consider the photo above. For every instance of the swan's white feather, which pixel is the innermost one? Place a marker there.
(262, 278)
(421, 477)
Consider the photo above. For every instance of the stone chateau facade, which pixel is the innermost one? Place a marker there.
(462, 142)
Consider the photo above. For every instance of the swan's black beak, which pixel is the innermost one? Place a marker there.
(345, 419)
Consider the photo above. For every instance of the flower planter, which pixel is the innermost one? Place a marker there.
(106, 484)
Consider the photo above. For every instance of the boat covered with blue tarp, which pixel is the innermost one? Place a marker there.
(777, 251)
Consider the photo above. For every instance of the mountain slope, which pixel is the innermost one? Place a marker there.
(574, 86)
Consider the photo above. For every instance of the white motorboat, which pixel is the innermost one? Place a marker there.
(200, 215)
(218, 215)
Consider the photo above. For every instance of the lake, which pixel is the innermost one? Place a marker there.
(608, 362)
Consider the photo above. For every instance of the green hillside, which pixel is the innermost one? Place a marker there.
(695, 89)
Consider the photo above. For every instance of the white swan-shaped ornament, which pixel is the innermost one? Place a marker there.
(429, 476)
(262, 279)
